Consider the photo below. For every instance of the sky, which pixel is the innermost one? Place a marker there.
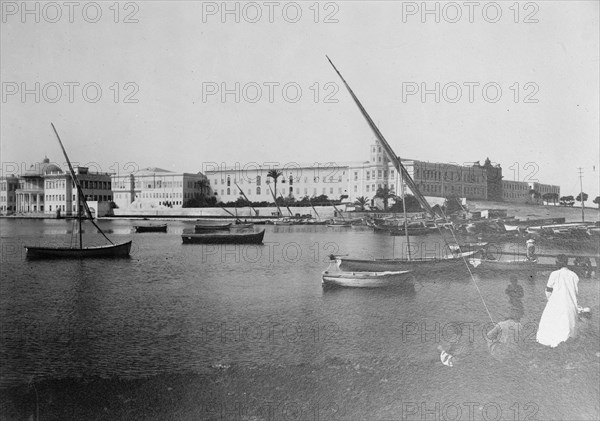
(186, 85)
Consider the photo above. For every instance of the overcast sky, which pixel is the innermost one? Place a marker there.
(162, 73)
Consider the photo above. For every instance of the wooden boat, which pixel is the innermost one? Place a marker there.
(212, 227)
(224, 238)
(520, 265)
(419, 266)
(150, 228)
(363, 279)
(111, 250)
(79, 251)
(340, 225)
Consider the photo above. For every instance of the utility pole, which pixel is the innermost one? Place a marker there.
(581, 193)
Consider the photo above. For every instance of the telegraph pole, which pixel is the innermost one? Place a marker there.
(581, 193)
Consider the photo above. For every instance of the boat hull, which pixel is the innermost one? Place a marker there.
(150, 228)
(484, 265)
(363, 279)
(215, 227)
(225, 238)
(417, 266)
(113, 250)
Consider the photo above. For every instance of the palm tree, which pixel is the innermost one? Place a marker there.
(274, 174)
(361, 202)
(385, 194)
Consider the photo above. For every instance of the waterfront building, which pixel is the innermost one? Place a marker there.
(8, 196)
(156, 188)
(61, 196)
(519, 191)
(46, 189)
(433, 179)
(297, 181)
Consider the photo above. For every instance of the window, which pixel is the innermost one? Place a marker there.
(258, 180)
(228, 191)
(258, 190)
(367, 187)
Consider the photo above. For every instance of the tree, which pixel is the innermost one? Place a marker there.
(547, 197)
(361, 202)
(597, 201)
(412, 204)
(567, 201)
(585, 197)
(384, 193)
(554, 198)
(274, 174)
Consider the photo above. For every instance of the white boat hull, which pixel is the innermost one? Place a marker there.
(364, 279)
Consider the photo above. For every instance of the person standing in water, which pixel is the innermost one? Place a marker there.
(557, 323)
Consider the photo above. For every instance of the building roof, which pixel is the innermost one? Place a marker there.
(42, 168)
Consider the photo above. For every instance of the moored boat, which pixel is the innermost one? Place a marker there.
(212, 227)
(150, 228)
(111, 250)
(224, 238)
(363, 279)
(419, 266)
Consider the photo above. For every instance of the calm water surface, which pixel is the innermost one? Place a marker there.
(174, 308)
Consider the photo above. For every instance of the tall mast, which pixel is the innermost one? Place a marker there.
(405, 216)
(79, 219)
(581, 193)
(79, 191)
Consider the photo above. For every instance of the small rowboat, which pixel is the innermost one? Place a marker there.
(224, 238)
(363, 279)
(150, 228)
(212, 227)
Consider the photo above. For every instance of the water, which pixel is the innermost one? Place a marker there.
(174, 308)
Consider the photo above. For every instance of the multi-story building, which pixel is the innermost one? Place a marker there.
(151, 188)
(432, 179)
(61, 196)
(297, 181)
(8, 197)
(46, 189)
(519, 191)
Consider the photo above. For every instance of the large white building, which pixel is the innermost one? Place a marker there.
(155, 188)
(297, 180)
(346, 181)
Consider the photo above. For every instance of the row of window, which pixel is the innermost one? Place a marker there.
(258, 190)
(11, 186)
(291, 180)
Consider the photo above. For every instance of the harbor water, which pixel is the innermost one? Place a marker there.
(257, 324)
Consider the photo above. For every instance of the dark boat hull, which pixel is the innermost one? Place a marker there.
(215, 227)
(232, 238)
(113, 250)
(150, 228)
(417, 266)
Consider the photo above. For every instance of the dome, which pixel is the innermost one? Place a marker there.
(42, 168)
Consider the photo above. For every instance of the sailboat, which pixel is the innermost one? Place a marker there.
(79, 251)
(418, 265)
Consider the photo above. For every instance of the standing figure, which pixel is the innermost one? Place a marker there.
(531, 250)
(560, 315)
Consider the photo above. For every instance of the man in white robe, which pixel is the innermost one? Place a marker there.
(560, 315)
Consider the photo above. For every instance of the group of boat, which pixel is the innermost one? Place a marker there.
(463, 257)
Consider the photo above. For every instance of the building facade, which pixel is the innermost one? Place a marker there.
(155, 188)
(8, 196)
(520, 191)
(297, 181)
(61, 196)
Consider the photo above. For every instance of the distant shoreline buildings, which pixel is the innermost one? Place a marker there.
(45, 189)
